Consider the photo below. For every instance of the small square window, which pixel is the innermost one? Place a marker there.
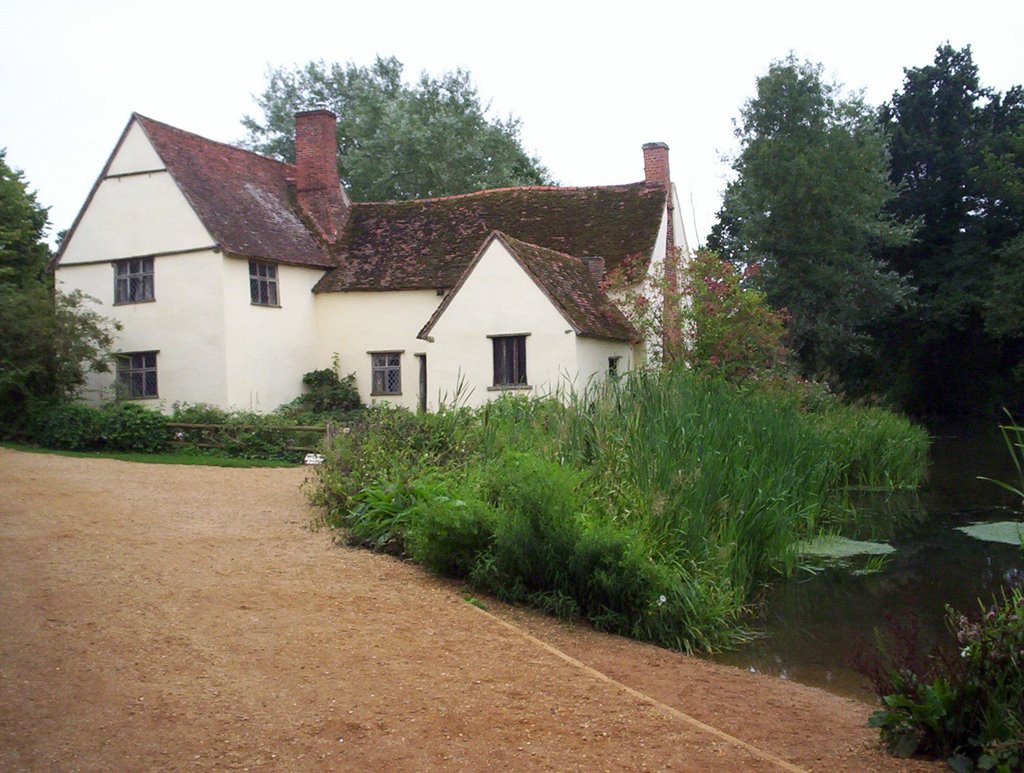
(386, 373)
(263, 283)
(136, 375)
(133, 280)
(613, 366)
(509, 360)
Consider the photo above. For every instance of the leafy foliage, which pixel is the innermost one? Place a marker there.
(48, 342)
(807, 207)
(328, 393)
(112, 427)
(730, 332)
(652, 506)
(967, 705)
(397, 141)
(957, 155)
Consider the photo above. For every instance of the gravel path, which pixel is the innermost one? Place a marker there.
(157, 617)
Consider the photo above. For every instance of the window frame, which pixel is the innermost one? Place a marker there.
(128, 279)
(509, 360)
(264, 285)
(126, 375)
(391, 365)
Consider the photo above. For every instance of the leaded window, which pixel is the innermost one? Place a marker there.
(386, 371)
(136, 375)
(133, 280)
(263, 283)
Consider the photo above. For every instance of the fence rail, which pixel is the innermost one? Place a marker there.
(222, 435)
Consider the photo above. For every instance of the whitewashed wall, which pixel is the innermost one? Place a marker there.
(268, 348)
(353, 324)
(184, 324)
(500, 298)
(214, 345)
(593, 354)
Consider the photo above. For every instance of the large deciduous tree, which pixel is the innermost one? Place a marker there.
(958, 159)
(807, 206)
(397, 141)
(48, 342)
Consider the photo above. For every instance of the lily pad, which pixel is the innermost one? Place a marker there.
(838, 548)
(1008, 532)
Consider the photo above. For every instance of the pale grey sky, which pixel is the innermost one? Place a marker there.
(590, 82)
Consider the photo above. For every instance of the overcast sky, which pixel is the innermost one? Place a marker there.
(590, 85)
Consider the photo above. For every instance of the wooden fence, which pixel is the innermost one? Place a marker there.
(223, 435)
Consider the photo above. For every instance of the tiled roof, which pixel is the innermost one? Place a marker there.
(428, 243)
(567, 282)
(242, 198)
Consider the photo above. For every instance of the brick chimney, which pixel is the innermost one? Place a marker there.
(656, 163)
(656, 172)
(317, 185)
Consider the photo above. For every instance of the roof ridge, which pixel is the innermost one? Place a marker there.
(508, 237)
(227, 145)
(508, 189)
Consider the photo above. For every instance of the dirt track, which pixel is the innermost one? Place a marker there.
(164, 617)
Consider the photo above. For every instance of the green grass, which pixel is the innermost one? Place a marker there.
(209, 461)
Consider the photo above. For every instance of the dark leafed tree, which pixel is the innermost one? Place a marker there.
(957, 157)
(47, 342)
(396, 141)
(807, 206)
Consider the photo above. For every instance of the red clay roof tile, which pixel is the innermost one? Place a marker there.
(428, 243)
(242, 198)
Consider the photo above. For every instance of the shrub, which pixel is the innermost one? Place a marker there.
(199, 413)
(71, 426)
(449, 535)
(328, 393)
(131, 427)
(966, 704)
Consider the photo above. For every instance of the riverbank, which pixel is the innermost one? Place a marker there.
(165, 617)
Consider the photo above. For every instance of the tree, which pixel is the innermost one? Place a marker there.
(721, 329)
(807, 207)
(396, 141)
(48, 342)
(958, 161)
(729, 331)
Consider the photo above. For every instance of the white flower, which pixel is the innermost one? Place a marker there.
(661, 599)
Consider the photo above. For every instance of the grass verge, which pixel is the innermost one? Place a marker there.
(208, 461)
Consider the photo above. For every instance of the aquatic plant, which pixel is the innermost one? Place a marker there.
(653, 506)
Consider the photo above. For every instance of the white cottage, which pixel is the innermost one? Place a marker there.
(233, 274)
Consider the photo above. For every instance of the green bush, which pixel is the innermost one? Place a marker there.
(539, 528)
(199, 413)
(131, 427)
(328, 393)
(449, 535)
(240, 434)
(71, 426)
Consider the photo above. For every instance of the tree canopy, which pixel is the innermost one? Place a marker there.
(807, 206)
(48, 342)
(396, 141)
(957, 153)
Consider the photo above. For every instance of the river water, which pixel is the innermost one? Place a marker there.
(814, 623)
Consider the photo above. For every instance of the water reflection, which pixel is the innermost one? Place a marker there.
(813, 623)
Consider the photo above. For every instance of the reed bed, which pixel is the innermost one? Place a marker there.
(654, 506)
